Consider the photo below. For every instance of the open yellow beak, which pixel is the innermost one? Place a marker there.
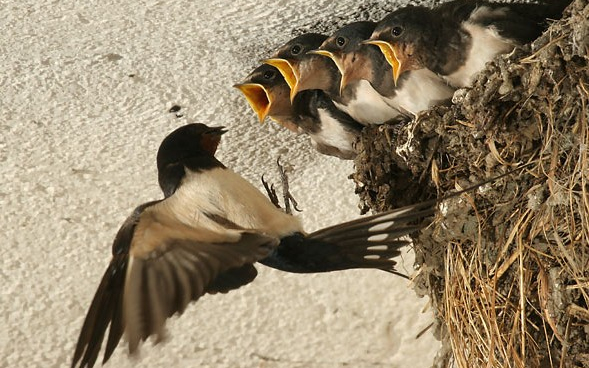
(332, 56)
(288, 71)
(338, 62)
(389, 52)
(258, 98)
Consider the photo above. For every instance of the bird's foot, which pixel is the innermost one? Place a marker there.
(287, 197)
(289, 201)
(271, 193)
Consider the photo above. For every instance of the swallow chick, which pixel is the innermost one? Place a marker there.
(205, 237)
(304, 70)
(287, 60)
(312, 112)
(268, 95)
(456, 39)
(364, 65)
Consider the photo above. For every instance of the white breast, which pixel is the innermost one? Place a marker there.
(486, 43)
(223, 192)
(421, 89)
(333, 133)
(368, 107)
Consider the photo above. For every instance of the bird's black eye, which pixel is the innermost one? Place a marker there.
(397, 31)
(296, 49)
(340, 41)
(269, 74)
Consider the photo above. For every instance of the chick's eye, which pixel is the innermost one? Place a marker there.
(397, 31)
(295, 50)
(269, 74)
(340, 41)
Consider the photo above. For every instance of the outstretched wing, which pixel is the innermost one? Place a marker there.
(166, 266)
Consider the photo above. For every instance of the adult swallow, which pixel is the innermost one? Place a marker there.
(456, 39)
(205, 236)
(312, 112)
(307, 71)
(357, 61)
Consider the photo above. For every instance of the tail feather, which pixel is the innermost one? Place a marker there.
(372, 241)
(370, 230)
(368, 242)
(376, 250)
(382, 234)
(392, 237)
(367, 257)
(380, 223)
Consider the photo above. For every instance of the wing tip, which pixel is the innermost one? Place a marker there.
(103, 310)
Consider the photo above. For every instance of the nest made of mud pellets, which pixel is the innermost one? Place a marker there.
(507, 267)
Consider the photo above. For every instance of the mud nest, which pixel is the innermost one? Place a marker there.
(506, 267)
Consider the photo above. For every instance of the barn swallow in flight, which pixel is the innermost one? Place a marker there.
(358, 63)
(456, 39)
(205, 237)
(312, 112)
(306, 71)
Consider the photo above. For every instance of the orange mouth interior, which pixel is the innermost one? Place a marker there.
(258, 98)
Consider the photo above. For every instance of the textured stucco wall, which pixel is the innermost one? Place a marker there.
(77, 154)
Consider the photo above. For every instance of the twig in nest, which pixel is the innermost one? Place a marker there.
(397, 273)
(424, 331)
(430, 160)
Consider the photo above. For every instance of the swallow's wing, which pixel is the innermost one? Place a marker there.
(171, 265)
(168, 265)
(106, 307)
